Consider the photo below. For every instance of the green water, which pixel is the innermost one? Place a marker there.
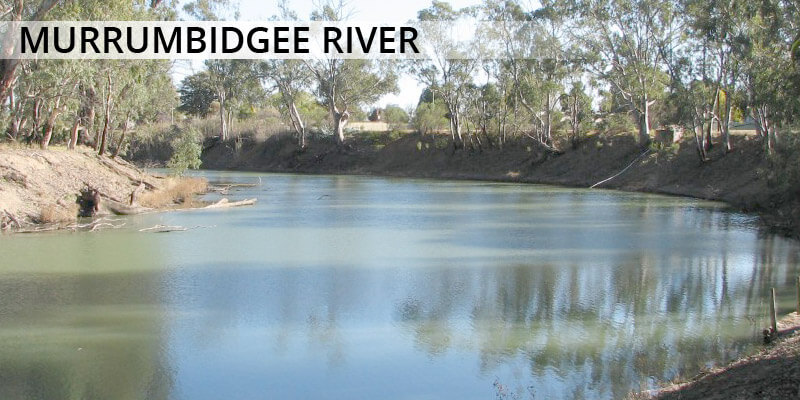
(340, 287)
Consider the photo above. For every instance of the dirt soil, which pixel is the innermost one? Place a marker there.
(38, 186)
(740, 178)
(773, 373)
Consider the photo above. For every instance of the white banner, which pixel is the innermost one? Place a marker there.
(222, 39)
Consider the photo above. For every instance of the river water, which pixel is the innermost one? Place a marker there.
(346, 287)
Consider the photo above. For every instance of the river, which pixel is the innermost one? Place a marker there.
(336, 287)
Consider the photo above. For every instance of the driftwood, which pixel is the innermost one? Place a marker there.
(124, 209)
(163, 228)
(8, 219)
(225, 203)
(224, 188)
(96, 225)
(136, 193)
(171, 228)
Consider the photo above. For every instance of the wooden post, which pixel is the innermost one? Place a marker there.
(772, 314)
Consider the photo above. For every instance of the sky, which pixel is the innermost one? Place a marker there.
(397, 11)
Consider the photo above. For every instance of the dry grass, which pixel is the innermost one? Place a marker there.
(176, 190)
(55, 213)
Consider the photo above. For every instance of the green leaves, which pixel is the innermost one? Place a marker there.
(186, 150)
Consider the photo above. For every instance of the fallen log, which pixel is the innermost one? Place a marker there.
(171, 228)
(118, 208)
(225, 203)
(164, 228)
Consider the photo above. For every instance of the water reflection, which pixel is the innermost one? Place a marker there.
(348, 287)
(74, 327)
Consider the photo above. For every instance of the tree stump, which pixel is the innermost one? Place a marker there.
(136, 192)
(88, 202)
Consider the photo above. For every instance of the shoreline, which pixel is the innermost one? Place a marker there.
(55, 189)
(739, 179)
(771, 372)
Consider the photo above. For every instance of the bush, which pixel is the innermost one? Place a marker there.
(784, 172)
(186, 150)
(430, 118)
(175, 191)
(616, 123)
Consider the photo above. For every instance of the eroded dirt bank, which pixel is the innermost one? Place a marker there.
(41, 186)
(744, 178)
(772, 373)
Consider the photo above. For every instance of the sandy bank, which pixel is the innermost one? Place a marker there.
(41, 187)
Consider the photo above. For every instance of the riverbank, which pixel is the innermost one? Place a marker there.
(772, 373)
(39, 188)
(744, 178)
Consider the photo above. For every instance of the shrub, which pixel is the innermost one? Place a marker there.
(55, 213)
(176, 190)
(186, 150)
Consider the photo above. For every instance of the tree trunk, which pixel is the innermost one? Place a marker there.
(106, 119)
(8, 67)
(726, 134)
(121, 138)
(73, 134)
(713, 119)
(49, 125)
(223, 126)
(106, 123)
(547, 122)
(88, 132)
(17, 124)
(297, 123)
(339, 121)
(772, 138)
(576, 123)
(644, 125)
(455, 126)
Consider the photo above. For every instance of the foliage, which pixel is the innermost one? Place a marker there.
(430, 118)
(196, 95)
(395, 116)
(186, 150)
(535, 72)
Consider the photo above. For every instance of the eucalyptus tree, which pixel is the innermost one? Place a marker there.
(534, 59)
(345, 84)
(487, 112)
(577, 106)
(148, 98)
(771, 80)
(508, 23)
(720, 27)
(623, 43)
(234, 83)
(18, 10)
(541, 68)
(196, 95)
(290, 78)
(448, 73)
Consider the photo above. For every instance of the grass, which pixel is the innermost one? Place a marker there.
(54, 213)
(176, 190)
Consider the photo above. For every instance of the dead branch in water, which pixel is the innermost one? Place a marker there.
(164, 228)
(96, 225)
(170, 228)
(225, 203)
